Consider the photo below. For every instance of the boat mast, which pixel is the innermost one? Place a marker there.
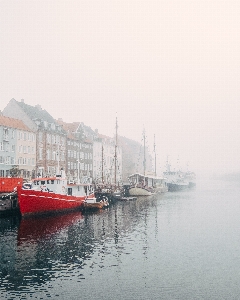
(144, 157)
(115, 157)
(102, 163)
(155, 160)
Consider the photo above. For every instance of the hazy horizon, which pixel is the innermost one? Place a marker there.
(171, 67)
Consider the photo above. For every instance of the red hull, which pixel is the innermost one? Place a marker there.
(7, 185)
(37, 202)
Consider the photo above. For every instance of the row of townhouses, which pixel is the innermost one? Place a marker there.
(33, 143)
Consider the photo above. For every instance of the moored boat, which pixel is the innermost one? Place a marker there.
(176, 180)
(90, 205)
(7, 184)
(53, 194)
(8, 195)
(148, 185)
(191, 177)
(9, 203)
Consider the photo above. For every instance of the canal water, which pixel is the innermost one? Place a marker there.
(183, 245)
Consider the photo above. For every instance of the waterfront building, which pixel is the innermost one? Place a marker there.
(50, 136)
(17, 149)
(79, 160)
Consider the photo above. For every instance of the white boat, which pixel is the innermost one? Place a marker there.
(175, 180)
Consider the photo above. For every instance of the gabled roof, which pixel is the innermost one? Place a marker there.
(13, 123)
(36, 112)
(70, 128)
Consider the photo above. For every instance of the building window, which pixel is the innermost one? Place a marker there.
(40, 136)
(49, 138)
(13, 134)
(1, 146)
(1, 160)
(53, 155)
(48, 155)
(40, 153)
(5, 134)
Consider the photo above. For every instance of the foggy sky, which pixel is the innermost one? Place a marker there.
(169, 66)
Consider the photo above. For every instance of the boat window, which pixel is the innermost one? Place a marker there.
(37, 182)
(48, 181)
(52, 181)
(42, 181)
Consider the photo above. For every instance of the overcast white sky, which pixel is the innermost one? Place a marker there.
(171, 66)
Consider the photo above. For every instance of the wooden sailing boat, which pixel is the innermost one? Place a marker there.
(139, 183)
(143, 184)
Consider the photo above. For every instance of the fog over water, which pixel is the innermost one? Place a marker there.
(169, 66)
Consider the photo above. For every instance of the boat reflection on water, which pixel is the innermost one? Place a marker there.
(37, 228)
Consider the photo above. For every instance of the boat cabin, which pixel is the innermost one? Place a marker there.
(140, 180)
(60, 185)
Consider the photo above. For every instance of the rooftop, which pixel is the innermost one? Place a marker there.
(13, 123)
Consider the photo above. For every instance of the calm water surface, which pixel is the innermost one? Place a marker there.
(182, 245)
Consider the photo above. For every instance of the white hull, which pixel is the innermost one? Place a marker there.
(136, 191)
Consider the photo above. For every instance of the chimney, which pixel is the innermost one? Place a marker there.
(22, 100)
(38, 107)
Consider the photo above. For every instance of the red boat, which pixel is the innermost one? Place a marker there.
(53, 194)
(7, 184)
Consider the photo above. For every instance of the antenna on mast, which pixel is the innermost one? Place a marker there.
(155, 161)
(115, 155)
